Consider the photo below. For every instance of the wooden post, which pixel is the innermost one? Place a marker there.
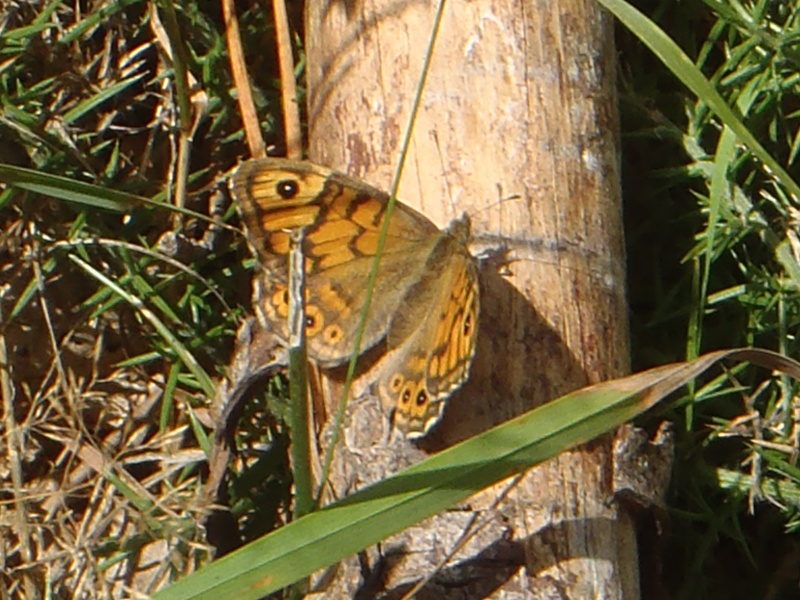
(518, 128)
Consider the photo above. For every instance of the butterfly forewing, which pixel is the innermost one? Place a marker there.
(343, 219)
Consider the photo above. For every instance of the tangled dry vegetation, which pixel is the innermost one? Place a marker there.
(100, 463)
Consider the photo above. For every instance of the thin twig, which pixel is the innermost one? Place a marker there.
(247, 106)
(291, 111)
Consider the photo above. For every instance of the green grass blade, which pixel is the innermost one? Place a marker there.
(70, 190)
(373, 275)
(366, 517)
(87, 194)
(676, 60)
(298, 380)
(92, 104)
(180, 350)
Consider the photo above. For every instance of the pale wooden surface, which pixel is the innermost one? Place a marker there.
(518, 128)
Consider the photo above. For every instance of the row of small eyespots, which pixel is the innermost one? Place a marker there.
(315, 319)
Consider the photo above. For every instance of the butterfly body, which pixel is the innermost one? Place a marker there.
(425, 301)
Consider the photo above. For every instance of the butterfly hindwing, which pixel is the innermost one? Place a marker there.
(432, 339)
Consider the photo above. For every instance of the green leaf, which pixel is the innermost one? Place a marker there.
(325, 537)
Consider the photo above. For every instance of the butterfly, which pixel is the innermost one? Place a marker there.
(426, 298)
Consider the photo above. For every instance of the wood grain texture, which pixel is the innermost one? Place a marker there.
(518, 128)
